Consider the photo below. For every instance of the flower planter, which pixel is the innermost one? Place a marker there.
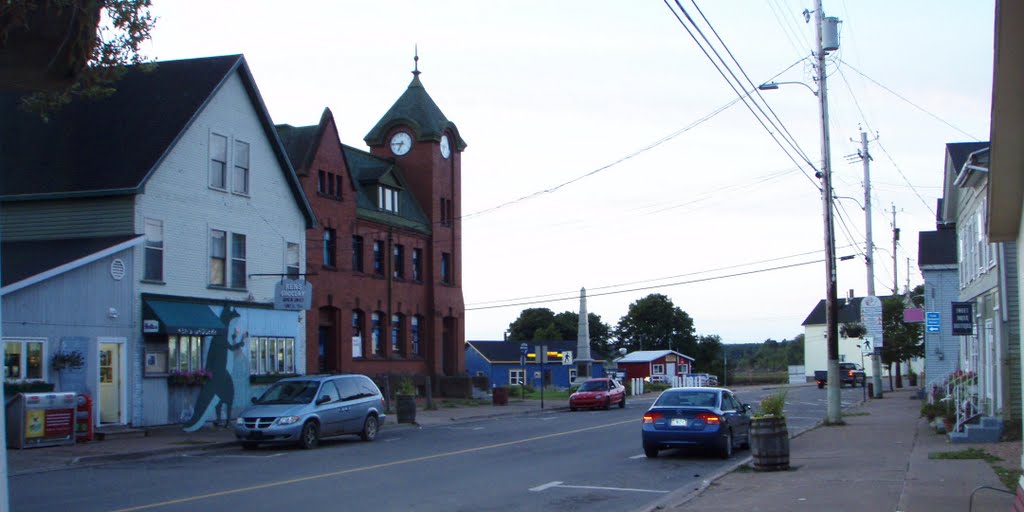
(769, 443)
(406, 408)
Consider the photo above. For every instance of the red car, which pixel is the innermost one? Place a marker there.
(598, 393)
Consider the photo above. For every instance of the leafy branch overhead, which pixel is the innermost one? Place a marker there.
(58, 50)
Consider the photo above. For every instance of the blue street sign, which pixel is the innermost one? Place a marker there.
(932, 328)
(933, 315)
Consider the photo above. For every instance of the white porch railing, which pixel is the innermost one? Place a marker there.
(962, 394)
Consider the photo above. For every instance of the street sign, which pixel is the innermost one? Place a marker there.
(867, 347)
(963, 317)
(871, 317)
(566, 358)
(522, 360)
(933, 321)
(523, 348)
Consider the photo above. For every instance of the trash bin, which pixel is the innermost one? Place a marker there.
(500, 396)
(41, 419)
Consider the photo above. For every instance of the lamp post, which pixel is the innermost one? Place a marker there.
(831, 302)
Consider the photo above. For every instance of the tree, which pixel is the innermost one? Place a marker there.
(655, 323)
(708, 355)
(549, 333)
(529, 321)
(56, 50)
(902, 341)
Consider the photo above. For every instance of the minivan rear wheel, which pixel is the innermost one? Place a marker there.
(370, 428)
(310, 436)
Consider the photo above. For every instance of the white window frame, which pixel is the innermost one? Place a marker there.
(218, 178)
(23, 359)
(240, 170)
(231, 258)
(292, 265)
(376, 331)
(517, 376)
(154, 244)
(358, 318)
(387, 199)
(185, 353)
(657, 369)
(270, 355)
(415, 334)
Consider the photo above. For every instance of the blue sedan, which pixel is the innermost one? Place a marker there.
(703, 417)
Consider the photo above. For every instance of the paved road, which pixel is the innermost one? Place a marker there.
(563, 460)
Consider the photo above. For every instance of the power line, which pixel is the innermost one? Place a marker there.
(911, 103)
(742, 95)
(667, 285)
(575, 293)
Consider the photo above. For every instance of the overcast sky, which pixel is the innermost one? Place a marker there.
(546, 92)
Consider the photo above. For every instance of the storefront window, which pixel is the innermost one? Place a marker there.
(23, 359)
(271, 355)
(184, 353)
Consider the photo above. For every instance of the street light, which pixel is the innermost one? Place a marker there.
(771, 86)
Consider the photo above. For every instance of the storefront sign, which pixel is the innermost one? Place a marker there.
(963, 324)
(150, 326)
(293, 295)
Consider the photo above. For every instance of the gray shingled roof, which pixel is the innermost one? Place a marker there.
(416, 109)
(959, 151)
(849, 311)
(110, 146)
(367, 172)
(25, 259)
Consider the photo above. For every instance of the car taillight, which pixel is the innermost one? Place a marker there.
(709, 418)
(851, 373)
(651, 417)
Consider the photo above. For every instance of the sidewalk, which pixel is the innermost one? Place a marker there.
(878, 461)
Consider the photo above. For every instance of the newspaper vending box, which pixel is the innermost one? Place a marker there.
(41, 419)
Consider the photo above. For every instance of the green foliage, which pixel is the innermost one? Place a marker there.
(656, 387)
(772, 405)
(708, 355)
(405, 386)
(1009, 477)
(561, 327)
(125, 26)
(655, 323)
(903, 341)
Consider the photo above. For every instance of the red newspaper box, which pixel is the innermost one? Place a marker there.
(83, 419)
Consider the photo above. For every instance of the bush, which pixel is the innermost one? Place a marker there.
(772, 405)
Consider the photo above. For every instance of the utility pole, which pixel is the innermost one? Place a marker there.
(895, 240)
(831, 302)
(876, 357)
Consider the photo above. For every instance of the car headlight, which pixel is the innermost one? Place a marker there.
(287, 420)
(239, 421)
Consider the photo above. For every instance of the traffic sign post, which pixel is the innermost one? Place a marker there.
(542, 357)
(523, 349)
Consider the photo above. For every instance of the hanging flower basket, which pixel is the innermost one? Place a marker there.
(67, 360)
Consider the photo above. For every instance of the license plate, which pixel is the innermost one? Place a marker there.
(678, 422)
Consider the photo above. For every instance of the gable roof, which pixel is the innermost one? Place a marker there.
(417, 109)
(369, 171)
(936, 248)
(646, 356)
(111, 146)
(956, 154)
(508, 351)
(849, 311)
(28, 262)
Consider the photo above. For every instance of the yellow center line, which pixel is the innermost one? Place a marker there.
(364, 468)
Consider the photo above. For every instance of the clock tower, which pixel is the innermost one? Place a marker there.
(427, 149)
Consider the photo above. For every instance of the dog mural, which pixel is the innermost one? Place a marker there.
(218, 393)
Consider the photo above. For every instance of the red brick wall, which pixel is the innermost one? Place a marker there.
(337, 291)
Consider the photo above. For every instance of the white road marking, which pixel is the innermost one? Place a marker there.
(545, 486)
(551, 485)
(235, 456)
(641, 456)
(548, 419)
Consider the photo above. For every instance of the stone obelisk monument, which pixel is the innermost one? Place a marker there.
(583, 360)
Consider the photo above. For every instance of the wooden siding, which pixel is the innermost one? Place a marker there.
(1012, 296)
(67, 218)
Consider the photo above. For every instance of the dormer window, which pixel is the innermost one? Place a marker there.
(387, 199)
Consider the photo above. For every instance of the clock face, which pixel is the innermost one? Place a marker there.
(446, 149)
(401, 143)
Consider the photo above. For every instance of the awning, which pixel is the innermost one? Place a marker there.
(182, 318)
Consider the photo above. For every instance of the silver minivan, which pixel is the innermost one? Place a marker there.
(304, 409)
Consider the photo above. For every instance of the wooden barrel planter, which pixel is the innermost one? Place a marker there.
(406, 408)
(769, 444)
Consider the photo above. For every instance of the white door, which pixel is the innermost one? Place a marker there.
(670, 369)
(110, 383)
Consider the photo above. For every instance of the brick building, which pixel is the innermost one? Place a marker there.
(385, 259)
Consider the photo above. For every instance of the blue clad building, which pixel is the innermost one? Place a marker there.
(499, 361)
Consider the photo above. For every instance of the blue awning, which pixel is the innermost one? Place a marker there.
(182, 318)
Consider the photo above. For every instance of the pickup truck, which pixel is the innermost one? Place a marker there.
(849, 373)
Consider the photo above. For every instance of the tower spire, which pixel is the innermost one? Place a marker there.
(416, 61)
